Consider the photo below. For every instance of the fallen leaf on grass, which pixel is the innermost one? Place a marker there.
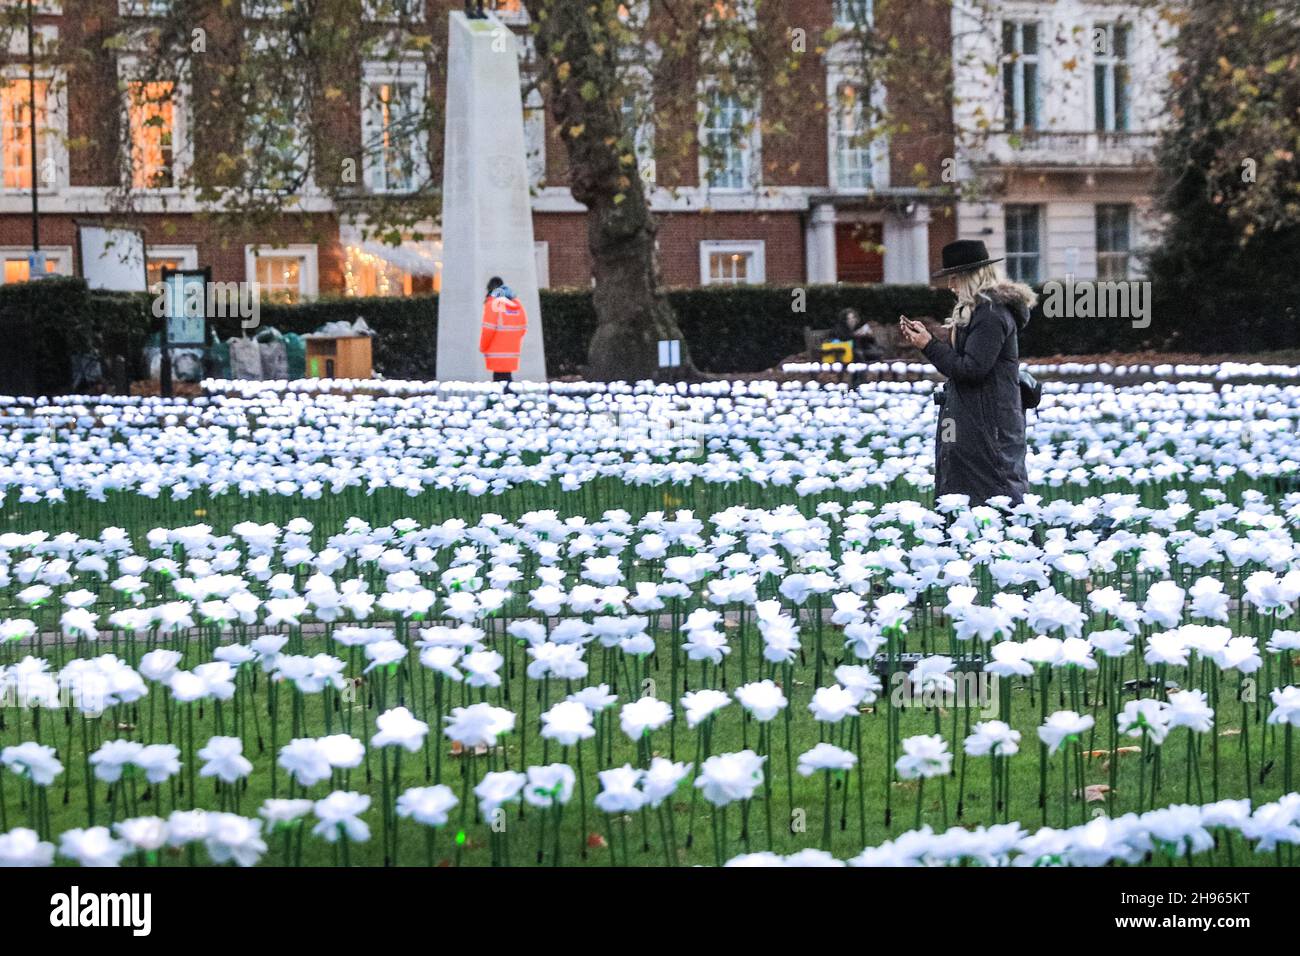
(458, 749)
(1093, 754)
(1095, 792)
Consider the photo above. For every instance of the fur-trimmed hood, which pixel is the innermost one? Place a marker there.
(1016, 296)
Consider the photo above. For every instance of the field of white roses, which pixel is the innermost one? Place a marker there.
(422, 623)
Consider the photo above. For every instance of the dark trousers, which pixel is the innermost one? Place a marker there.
(501, 377)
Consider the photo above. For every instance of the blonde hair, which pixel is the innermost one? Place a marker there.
(968, 286)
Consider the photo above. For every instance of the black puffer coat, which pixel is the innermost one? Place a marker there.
(980, 445)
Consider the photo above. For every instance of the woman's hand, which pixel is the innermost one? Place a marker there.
(914, 333)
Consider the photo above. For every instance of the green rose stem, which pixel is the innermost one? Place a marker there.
(961, 784)
(672, 724)
(817, 624)
(89, 776)
(67, 777)
(1065, 786)
(272, 704)
(429, 835)
(559, 825)
(719, 835)
(1245, 736)
(1113, 766)
(467, 759)
(582, 803)
(920, 795)
(668, 845)
(609, 830)
(643, 750)
(826, 811)
(383, 770)
(189, 738)
(891, 723)
(1286, 757)
(1042, 747)
(523, 717)
(764, 750)
(1142, 774)
(437, 722)
(789, 747)
(993, 783)
(1214, 741)
(1078, 781)
(701, 743)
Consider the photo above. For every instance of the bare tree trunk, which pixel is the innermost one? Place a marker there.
(578, 52)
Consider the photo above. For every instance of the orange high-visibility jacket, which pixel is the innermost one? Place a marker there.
(504, 325)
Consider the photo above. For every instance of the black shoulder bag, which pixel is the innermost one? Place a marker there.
(1031, 389)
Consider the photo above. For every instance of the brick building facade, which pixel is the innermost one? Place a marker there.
(814, 204)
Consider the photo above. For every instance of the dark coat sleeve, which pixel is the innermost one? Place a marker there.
(984, 340)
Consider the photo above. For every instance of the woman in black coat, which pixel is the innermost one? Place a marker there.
(980, 445)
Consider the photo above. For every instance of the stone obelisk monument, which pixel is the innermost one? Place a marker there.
(487, 223)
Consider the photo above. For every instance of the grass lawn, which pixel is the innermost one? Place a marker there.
(789, 816)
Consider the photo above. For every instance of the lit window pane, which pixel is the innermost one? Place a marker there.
(366, 274)
(279, 278)
(152, 132)
(15, 105)
(19, 270)
(729, 268)
(393, 120)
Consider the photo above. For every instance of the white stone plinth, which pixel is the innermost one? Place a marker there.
(487, 223)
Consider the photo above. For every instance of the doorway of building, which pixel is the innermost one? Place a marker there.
(858, 252)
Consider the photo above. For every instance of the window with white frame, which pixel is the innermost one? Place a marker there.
(276, 143)
(284, 274)
(1113, 232)
(638, 120)
(535, 138)
(393, 128)
(852, 149)
(154, 131)
(16, 132)
(725, 262)
(158, 258)
(17, 265)
(850, 14)
(1020, 75)
(1110, 76)
(1024, 246)
(728, 140)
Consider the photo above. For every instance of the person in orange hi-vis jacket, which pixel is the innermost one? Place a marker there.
(504, 325)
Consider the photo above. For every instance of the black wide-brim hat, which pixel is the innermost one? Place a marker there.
(964, 255)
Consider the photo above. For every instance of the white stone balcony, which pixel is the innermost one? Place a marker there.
(1054, 148)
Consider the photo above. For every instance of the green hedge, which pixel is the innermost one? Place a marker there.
(732, 329)
(729, 329)
(44, 325)
(752, 328)
(1045, 337)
